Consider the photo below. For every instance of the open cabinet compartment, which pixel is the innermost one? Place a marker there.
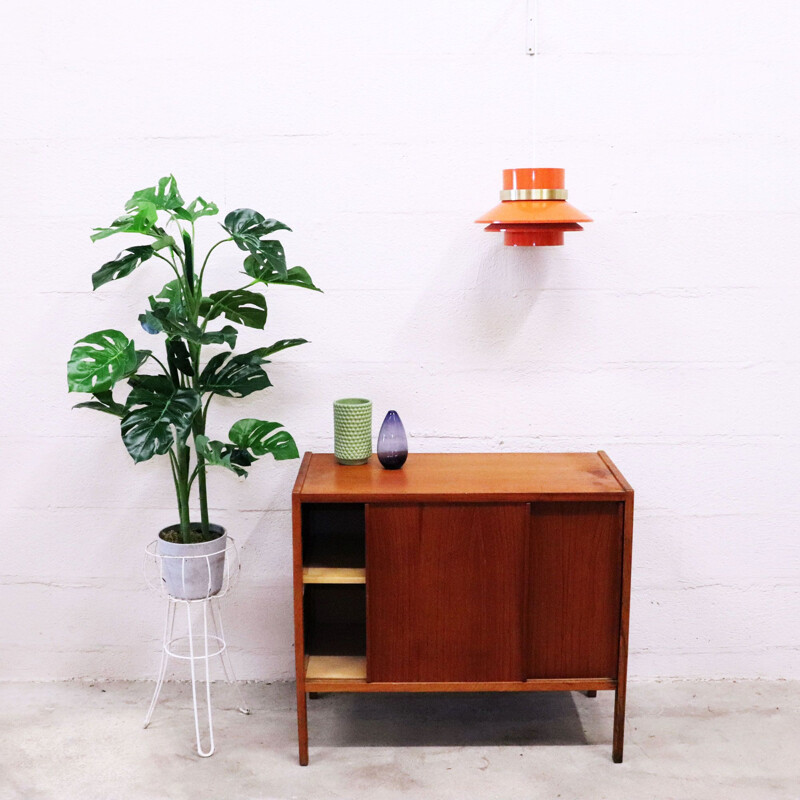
(334, 590)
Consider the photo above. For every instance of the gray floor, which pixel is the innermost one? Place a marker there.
(720, 739)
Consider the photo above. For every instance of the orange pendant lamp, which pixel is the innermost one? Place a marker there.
(534, 210)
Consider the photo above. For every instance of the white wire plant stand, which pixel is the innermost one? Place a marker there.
(205, 644)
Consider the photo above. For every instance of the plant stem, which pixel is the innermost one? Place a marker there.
(208, 255)
(182, 491)
(188, 264)
(172, 266)
(205, 411)
(202, 492)
(183, 488)
(161, 364)
(199, 429)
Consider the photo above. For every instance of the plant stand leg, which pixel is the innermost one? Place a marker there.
(169, 624)
(205, 657)
(227, 666)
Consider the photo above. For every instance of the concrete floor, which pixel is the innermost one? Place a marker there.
(711, 739)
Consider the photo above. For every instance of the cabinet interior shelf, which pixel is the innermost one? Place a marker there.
(334, 575)
(331, 668)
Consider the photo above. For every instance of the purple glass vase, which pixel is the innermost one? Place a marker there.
(392, 442)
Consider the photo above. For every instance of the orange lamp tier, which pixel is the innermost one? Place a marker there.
(534, 210)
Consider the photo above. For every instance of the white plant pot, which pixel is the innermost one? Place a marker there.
(193, 571)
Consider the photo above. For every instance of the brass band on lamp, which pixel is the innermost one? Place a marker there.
(533, 194)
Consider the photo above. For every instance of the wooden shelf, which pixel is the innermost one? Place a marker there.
(334, 575)
(336, 668)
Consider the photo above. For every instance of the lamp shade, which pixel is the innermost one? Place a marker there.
(534, 210)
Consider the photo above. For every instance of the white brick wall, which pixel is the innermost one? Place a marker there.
(666, 333)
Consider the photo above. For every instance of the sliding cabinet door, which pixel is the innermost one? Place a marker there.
(573, 590)
(445, 591)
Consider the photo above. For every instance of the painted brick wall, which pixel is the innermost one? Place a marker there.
(666, 333)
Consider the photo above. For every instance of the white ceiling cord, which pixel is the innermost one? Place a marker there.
(533, 50)
(532, 36)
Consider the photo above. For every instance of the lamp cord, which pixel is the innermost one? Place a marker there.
(533, 50)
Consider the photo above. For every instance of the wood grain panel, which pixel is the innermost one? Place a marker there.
(445, 592)
(334, 575)
(336, 668)
(464, 477)
(573, 590)
(299, 646)
(361, 685)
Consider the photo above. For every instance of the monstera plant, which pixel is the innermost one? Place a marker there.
(166, 411)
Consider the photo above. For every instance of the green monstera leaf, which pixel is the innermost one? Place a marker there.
(221, 454)
(282, 344)
(104, 401)
(225, 335)
(244, 223)
(142, 221)
(99, 360)
(153, 408)
(172, 296)
(164, 319)
(196, 209)
(121, 266)
(164, 196)
(259, 437)
(296, 276)
(247, 228)
(143, 208)
(239, 305)
(179, 358)
(240, 376)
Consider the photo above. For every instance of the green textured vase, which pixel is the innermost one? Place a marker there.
(352, 430)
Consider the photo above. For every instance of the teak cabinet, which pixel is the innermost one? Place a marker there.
(462, 572)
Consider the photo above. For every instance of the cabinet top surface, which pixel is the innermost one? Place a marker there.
(489, 476)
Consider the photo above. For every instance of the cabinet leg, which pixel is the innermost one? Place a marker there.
(302, 726)
(619, 723)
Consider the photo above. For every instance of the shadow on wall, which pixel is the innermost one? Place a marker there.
(480, 301)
